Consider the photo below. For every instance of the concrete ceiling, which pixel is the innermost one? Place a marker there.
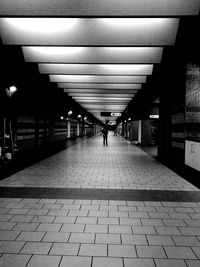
(99, 51)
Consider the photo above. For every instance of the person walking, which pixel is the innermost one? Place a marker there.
(104, 132)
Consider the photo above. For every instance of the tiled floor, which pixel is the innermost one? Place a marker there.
(121, 165)
(71, 232)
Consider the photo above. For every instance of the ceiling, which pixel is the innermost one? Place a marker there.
(100, 52)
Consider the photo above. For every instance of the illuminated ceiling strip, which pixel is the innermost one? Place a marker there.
(99, 86)
(97, 69)
(128, 8)
(100, 91)
(96, 78)
(95, 31)
(106, 55)
(100, 95)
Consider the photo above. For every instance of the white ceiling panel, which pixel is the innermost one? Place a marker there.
(111, 55)
(103, 8)
(99, 86)
(97, 79)
(92, 31)
(100, 69)
(99, 91)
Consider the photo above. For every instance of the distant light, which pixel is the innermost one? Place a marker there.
(85, 118)
(70, 112)
(154, 116)
(125, 121)
(79, 116)
(129, 119)
(62, 117)
(13, 89)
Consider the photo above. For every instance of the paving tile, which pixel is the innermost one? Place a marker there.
(108, 221)
(9, 235)
(186, 241)
(43, 219)
(65, 201)
(138, 214)
(192, 231)
(64, 219)
(71, 207)
(86, 220)
(121, 251)
(196, 251)
(74, 261)
(169, 263)
(56, 237)
(173, 222)
(36, 248)
(153, 222)
(130, 221)
(160, 240)
(167, 230)
(11, 246)
(64, 249)
(143, 230)
(49, 227)
(108, 239)
(120, 229)
(193, 263)
(14, 260)
(134, 239)
(7, 225)
(83, 213)
(37, 212)
(138, 262)
(118, 214)
(93, 213)
(44, 260)
(48, 201)
(76, 228)
(192, 223)
(30, 236)
(82, 238)
(159, 215)
(93, 250)
(19, 211)
(107, 262)
(96, 229)
(89, 207)
(26, 226)
(180, 253)
(150, 252)
(58, 212)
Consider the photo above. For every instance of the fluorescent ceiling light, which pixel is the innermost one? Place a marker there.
(98, 79)
(99, 86)
(89, 31)
(101, 95)
(100, 91)
(99, 8)
(111, 55)
(103, 69)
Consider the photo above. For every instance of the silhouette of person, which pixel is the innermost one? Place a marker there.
(104, 132)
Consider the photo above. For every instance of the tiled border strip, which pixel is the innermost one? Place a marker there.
(102, 194)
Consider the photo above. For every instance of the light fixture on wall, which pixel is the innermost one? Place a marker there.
(11, 90)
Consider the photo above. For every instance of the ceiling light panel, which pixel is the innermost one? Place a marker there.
(99, 86)
(97, 79)
(111, 55)
(99, 91)
(99, 8)
(92, 31)
(100, 69)
(102, 8)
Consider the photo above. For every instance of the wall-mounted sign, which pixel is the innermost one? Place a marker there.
(110, 114)
(154, 116)
(192, 154)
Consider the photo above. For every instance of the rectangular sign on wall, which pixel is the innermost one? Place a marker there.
(192, 154)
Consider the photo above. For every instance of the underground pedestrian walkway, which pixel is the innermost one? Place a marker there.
(93, 205)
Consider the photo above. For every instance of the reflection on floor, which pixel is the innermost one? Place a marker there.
(95, 206)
